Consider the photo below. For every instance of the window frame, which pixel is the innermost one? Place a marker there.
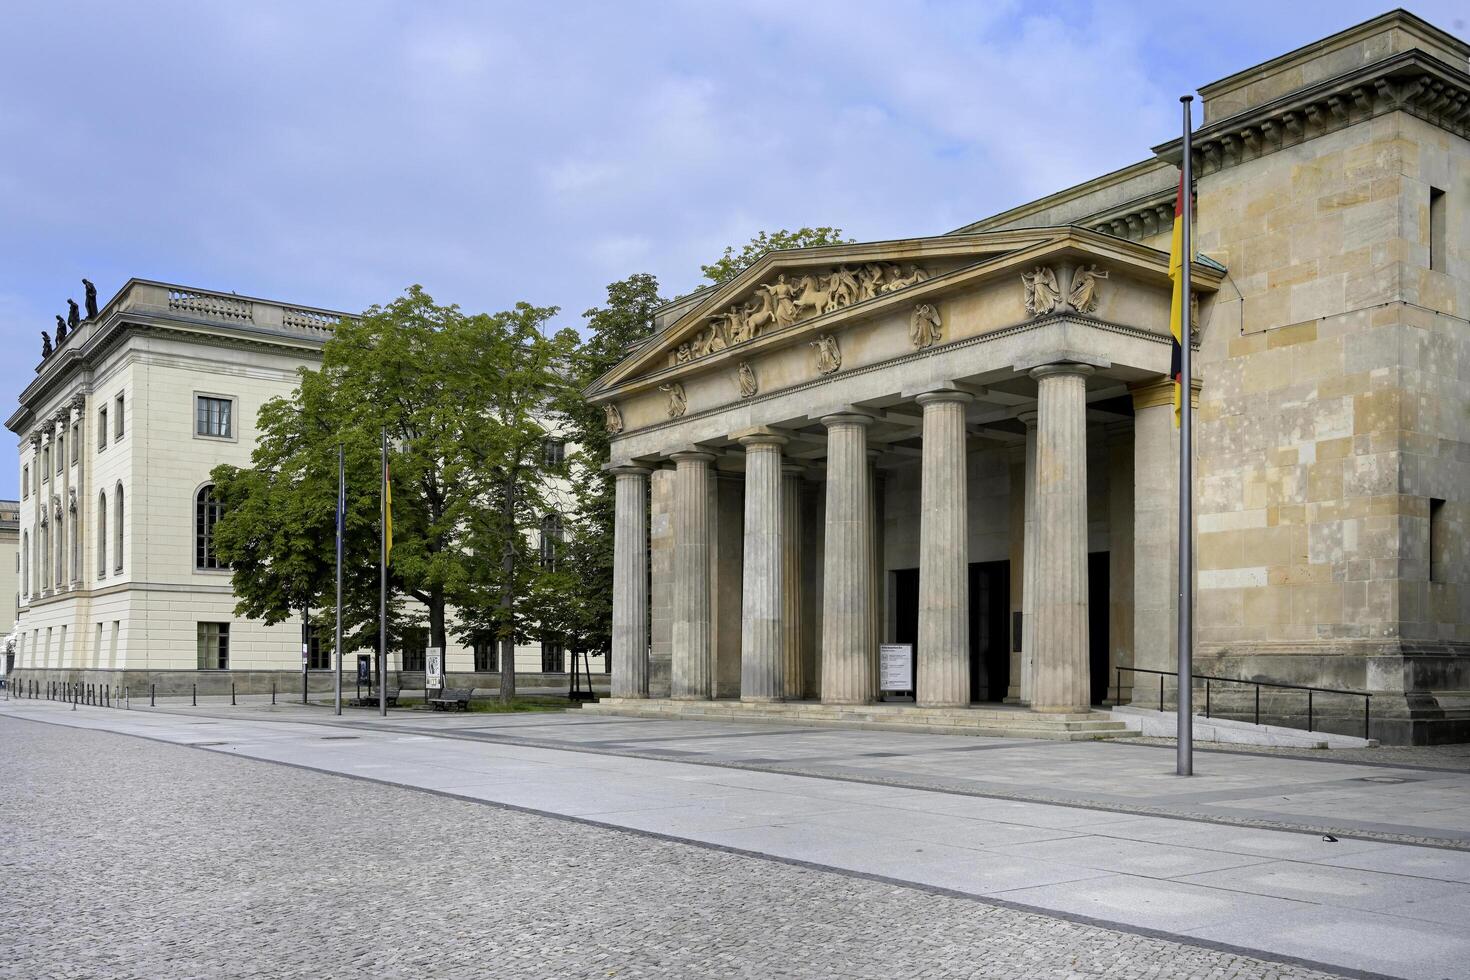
(119, 519)
(101, 535)
(101, 428)
(233, 435)
(119, 425)
(221, 637)
(205, 559)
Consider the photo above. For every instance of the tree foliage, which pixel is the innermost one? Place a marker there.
(460, 397)
(732, 263)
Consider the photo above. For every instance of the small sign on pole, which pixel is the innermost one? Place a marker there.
(434, 669)
(896, 666)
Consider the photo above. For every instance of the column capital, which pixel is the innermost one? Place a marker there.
(847, 419)
(754, 438)
(793, 469)
(1028, 418)
(943, 395)
(627, 470)
(692, 456)
(1061, 368)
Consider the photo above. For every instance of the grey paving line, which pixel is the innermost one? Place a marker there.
(1452, 842)
(694, 738)
(1183, 940)
(1133, 744)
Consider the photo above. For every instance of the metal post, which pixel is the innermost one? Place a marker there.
(273, 692)
(194, 694)
(341, 532)
(1161, 692)
(1185, 761)
(1367, 713)
(383, 589)
(1258, 704)
(1207, 697)
(1309, 709)
(232, 692)
(305, 647)
(152, 695)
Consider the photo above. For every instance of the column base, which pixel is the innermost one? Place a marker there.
(755, 700)
(1060, 709)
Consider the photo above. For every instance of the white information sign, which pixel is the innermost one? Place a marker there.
(434, 668)
(896, 666)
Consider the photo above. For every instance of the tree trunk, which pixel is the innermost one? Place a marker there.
(507, 598)
(437, 633)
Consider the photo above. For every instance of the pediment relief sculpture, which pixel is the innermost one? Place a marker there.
(925, 327)
(829, 357)
(786, 301)
(745, 377)
(678, 401)
(1044, 295)
(612, 418)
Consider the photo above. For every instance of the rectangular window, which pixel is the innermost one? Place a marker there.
(60, 453)
(117, 421)
(212, 417)
(1438, 542)
(101, 429)
(415, 643)
(487, 658)
(76, 441)
(1436, 229)
(553, 657)
(553, 452)
(45, 464)
(214, 646)
(319, 649)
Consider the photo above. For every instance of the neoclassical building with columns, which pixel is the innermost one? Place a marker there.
(965, 442)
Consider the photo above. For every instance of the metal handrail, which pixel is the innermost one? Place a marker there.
(1207, 678)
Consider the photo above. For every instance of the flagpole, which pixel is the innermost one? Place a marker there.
(1185, 760)
(383, 588)
(341, 520)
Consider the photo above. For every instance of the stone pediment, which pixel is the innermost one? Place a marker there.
(815, 313)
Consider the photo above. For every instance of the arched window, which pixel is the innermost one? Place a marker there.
(102, 535)
(207, 512)
(551, 539)
(59, 536)
(117, 531)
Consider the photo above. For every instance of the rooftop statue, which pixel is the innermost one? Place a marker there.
(46, 344)
(91, 299)
(73, 315)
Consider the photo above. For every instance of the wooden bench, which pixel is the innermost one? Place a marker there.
(371, 701)
(452, 697)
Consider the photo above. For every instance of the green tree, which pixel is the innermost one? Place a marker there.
(732, 263)
(583, 580)
(455, 393)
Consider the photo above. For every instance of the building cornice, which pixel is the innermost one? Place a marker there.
(1412, 82)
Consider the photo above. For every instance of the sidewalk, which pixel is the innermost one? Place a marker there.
(1356, 905)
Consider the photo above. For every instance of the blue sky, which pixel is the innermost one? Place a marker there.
(333, 153)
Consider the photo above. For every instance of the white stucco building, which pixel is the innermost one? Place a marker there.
(118, 434)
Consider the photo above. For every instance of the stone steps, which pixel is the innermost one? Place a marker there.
(1006, 722)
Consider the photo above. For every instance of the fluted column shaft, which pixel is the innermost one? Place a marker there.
(944, 568)
(794, 682)
(630, 583)
(1028, 563)
(847, 674)
(691, 633)
(762, 636)
(1060, 672)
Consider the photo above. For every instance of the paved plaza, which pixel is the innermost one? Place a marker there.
(555, 845)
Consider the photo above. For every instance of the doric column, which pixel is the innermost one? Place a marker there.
(630, 583)
(944, 567)
(793, 684)
(1060, 671)
(847, 673)
(1028, 563)
(67, 528)
(691, 633)
(875, 565)
(37, 503)
(762, 632)
(1155, 529)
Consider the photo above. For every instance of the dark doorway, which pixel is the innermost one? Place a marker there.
(906, 613)
(1097, 623)
(990, 630)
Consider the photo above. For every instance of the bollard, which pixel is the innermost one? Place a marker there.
(194, 694)
(273, 692)
(232, 692)
(152, 695)
(107, 692)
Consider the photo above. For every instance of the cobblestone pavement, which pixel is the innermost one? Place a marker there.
(122, 857)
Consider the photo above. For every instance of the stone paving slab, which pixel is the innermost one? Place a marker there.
(1135, 874)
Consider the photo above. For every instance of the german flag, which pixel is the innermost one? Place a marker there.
(1177, 305)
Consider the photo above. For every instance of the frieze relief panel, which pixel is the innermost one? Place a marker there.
(788, 300)
(1045, 296)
